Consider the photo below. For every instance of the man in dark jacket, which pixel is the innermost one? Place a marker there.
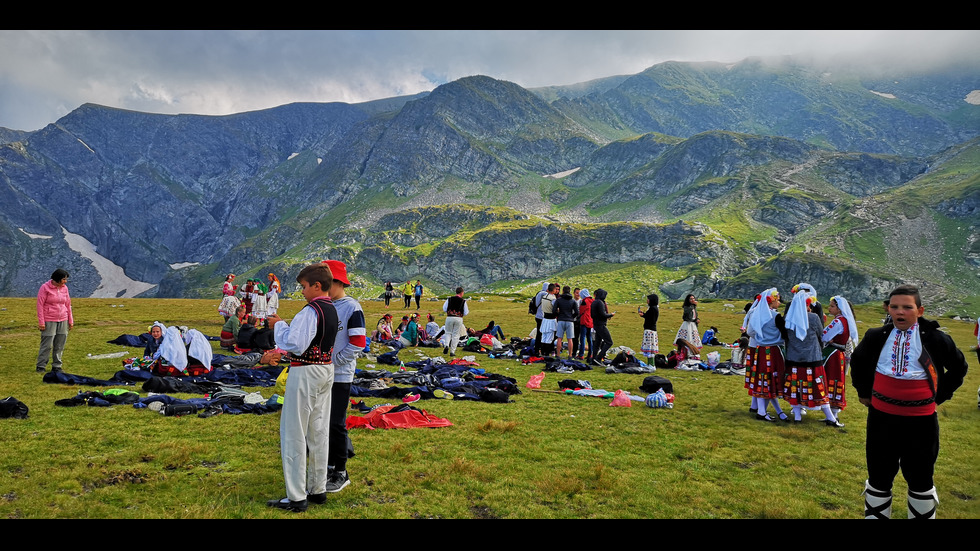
(901, 372)
(567, 312)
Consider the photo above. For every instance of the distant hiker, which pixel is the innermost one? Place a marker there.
(304, 421)
(764, 366)
(54, 320)
(650, 345)
(407, 293)
(585, 326)
(841, 337)
(901, 372)
(418, 290)
(566, 312)
(455, 308)
(600, 316)
(389, 292)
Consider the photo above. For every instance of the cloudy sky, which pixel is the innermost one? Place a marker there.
(46, 74)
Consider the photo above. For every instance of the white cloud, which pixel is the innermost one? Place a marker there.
(46, 74)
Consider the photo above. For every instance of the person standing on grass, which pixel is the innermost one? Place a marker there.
(576, 325)
(688, 340)
(549, 323)
(650, 346)
(840, 336)
(304, 425)
(764, 366)
(351, 340)
(54, 320)
(901, 372)
(566, 312)
(538, 316)
(600, 317)
(455, 308)
(418, 290)
(407, 292)
(389, 292)
(584, 331)
(805, 384)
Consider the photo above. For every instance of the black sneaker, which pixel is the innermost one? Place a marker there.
(318, 499)
(338, 481)
(286, 504)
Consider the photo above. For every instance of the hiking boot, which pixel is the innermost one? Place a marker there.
(338, 481)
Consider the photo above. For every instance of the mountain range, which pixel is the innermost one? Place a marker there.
(721, 179)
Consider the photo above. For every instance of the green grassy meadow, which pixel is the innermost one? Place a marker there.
(544, 455)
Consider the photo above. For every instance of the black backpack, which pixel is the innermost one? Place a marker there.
(654, 383)
(532, 308)
(12, 407)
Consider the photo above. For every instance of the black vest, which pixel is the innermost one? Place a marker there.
(455, 307)
(320, 350)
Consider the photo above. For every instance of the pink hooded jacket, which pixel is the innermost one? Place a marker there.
(53, 304)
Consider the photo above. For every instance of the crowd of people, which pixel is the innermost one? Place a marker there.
(901, 371)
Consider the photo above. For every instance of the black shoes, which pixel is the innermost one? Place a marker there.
(765, 418)
(834, 423)
(318, 499)
(288, 505)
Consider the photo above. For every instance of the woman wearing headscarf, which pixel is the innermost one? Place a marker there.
(841, 335)
(806, 381)
(764, 365)
(54, 320)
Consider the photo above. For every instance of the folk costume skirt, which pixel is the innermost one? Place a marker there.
(805, 385)
(835, 369)
(650, 346)
(764, 370)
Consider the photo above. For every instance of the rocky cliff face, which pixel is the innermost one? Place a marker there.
(755, 151)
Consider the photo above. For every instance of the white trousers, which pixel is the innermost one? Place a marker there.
(454, 330)
(304, 428)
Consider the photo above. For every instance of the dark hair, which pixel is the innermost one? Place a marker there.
(910, 290)
(687, 299)
(566, 290)
(653, 299)
(748, 306)
(459, 290)
(58, 275)
(715, 329)
(552, 287)
(316, 273)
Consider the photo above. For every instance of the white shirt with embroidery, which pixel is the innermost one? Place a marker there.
(899, 357)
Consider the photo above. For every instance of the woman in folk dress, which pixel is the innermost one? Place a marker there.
(842, 336)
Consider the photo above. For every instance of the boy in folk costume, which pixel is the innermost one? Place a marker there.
(841, 336)
(304, 423)
(901, 371)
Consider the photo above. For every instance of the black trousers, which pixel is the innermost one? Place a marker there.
(603, 342)
(408, 300)
(340, 444)
(537, 337)
(909, 443)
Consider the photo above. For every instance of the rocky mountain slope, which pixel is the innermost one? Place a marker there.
(723, 177)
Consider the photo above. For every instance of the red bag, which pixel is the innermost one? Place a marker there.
(535, 381)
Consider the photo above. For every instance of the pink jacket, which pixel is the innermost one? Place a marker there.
(53, 304)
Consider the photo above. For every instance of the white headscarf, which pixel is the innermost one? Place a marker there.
(584, 293)
(759, 313)
(172, 348)
(199, 347)
(845, 311)
(797, 318)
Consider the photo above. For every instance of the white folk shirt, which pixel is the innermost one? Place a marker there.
(899, 357)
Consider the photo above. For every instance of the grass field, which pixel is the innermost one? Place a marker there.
(544, 455)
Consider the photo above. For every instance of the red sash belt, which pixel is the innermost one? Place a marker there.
(902, 397)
